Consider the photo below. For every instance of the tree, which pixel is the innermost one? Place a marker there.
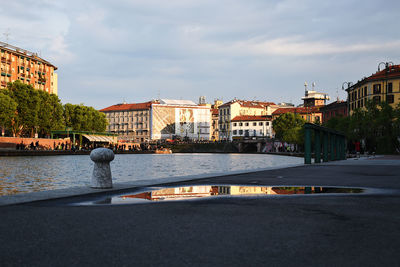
(50, 113)
(289, 128)
(83, 118)
(28, 101)
(378, 125)
(8, 109)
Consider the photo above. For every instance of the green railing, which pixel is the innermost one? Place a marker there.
(331, 142)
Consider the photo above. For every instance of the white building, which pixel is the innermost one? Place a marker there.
(252, 126)
(183, 118)
(235, 108)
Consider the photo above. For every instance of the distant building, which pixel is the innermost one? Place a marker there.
(27, 67)
(313, 98)
(309, 114)
(252, 126)
(214, 119)
(130, 121)
(334, 109)
(383, 86)
(180, 118)
(235, 108)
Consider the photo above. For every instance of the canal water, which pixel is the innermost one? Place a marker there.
(31, 174)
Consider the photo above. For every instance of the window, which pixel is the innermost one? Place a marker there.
(254, 123)
(246, 124)
(358, 93)
(240, 132)
(234, 124)
(267, 123)
(365, 91)
(240, 124)
(235, 132)
(261, 131)
(390, 88)
(376, 99)
(260, 124)
(390, 99)
(377, 88)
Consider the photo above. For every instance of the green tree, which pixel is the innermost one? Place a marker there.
(83, 118)
(8, 109)
(50, 113)
(289, 128)
(28, 101)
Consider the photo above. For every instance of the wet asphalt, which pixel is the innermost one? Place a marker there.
(317, 230)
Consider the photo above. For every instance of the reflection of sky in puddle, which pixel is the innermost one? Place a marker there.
(209, 191)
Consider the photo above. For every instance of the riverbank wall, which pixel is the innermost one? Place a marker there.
(44, 143)
(204, 148)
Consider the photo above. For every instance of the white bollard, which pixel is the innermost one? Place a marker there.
(101, 177)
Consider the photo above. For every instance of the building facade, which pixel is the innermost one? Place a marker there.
(334, 109)
(252, 126)
(313, 98)
(214, 120)
(309, 114)
(235, 108)
(383, 86)
(180, 118)
(27, 67)
(130, 121)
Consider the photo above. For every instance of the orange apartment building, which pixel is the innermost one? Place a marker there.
(27, 67)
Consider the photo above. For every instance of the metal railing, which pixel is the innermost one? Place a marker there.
(332, 143)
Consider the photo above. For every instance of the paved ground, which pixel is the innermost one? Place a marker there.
(352, 230)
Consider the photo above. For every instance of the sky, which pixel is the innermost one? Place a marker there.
(109, 52)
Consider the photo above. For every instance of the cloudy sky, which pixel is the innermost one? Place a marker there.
(108, 52)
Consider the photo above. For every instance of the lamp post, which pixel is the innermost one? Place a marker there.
(349, 84)
(387, 66)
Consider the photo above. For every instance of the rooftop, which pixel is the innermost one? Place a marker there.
(177, 102)
(252, 118)
(299, 110)
(125, 107)
(249, 104)
(391, 72)
(23, 52)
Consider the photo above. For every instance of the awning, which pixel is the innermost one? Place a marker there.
(98, 138)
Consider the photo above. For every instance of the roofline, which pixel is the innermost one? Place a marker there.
(26, 53)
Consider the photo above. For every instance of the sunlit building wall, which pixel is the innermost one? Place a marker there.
(27, 67)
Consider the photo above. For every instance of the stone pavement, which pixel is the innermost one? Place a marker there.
(316, 230)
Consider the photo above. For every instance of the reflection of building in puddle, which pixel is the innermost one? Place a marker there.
(190, 192)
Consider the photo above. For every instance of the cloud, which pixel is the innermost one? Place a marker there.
(294, 46)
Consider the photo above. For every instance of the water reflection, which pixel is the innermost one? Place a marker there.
(29, 174)
(204, 191)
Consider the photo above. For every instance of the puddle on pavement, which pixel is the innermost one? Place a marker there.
(213, 191)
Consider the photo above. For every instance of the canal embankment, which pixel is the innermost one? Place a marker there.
(333, 230)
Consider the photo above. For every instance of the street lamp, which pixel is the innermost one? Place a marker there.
(349, 84)
(387, 66)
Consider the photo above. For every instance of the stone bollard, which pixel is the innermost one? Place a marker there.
(101, 177)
